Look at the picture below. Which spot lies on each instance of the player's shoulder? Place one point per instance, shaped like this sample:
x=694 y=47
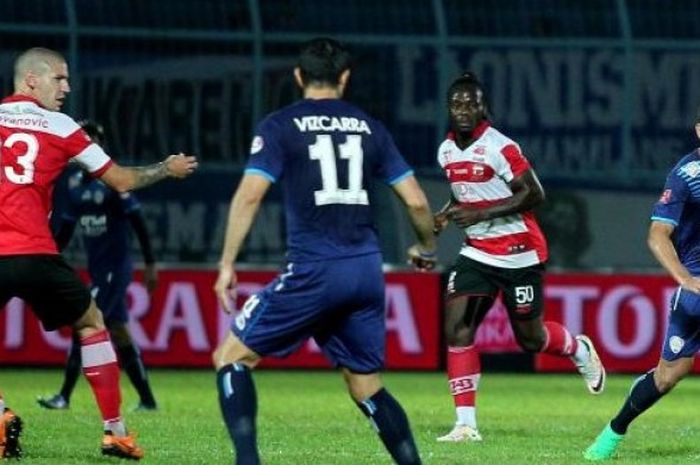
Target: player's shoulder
x=495 y=139
x=27 y=114
x=688 y=167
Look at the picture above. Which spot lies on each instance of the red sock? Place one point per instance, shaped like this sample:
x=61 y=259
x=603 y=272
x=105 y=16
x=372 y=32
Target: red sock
x=102 y=372
x=558 y=340
x=463 y=371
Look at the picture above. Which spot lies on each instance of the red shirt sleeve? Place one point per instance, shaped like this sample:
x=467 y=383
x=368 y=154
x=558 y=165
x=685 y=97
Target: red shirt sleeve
x=515 y=158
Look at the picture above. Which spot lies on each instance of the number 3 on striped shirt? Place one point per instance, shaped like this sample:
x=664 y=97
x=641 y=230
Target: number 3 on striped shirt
x=25 y=160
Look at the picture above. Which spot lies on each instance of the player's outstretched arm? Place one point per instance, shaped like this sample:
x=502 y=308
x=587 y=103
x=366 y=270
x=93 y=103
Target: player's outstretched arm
x=423 y=254
x=244 y=206
x=128 y=178
x=661 y=245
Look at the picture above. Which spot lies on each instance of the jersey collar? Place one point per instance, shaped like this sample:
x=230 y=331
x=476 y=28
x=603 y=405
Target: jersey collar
x=477 y=132
x=21 y=98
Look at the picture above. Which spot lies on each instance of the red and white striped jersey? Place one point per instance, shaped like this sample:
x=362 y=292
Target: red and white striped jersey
x=479 y=177
x=35 y=146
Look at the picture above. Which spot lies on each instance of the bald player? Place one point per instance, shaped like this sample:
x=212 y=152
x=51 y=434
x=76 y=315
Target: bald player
x=36 y=143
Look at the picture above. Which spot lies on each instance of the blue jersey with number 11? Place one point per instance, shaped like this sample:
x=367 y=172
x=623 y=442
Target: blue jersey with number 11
x=326 y=152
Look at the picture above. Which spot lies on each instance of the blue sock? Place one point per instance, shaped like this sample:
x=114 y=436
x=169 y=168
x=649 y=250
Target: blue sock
x=390 y=421
x=643 y=395
x=239 y=407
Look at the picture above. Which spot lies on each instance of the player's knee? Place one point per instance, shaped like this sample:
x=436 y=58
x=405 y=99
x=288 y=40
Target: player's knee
x=362 y=386
x=231 y=351
x=530 y=344
x=459 y=336
x=90 y=322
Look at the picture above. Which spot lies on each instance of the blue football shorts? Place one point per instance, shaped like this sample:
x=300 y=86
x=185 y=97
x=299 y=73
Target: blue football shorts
x=339 y=302
x=683 y=332
x=108 y=288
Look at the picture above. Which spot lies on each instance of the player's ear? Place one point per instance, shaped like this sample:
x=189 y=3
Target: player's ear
x=697 y=130
x=297 y=77
x=343 y=80
x=31 y=79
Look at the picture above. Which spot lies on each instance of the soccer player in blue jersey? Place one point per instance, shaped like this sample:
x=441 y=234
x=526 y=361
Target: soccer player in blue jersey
x=105 y=217
x=674 y=239
x=324 y=151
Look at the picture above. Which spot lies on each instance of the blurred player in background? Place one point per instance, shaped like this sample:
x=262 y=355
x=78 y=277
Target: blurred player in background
x=324 y=151
x=494 y=190
x=105 y=216
x=37 y=142
x=674 y=239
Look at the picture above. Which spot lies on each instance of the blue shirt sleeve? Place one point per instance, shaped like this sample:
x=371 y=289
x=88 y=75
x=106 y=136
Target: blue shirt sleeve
x=669 y=207
x=266 y=153
x=391 y=166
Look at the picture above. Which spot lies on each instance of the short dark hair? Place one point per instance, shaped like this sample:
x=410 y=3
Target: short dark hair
x=322 y=61
x=93 y=129
x=468 y=80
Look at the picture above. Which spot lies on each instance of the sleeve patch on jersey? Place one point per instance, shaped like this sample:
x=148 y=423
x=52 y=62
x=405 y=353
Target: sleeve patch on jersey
x=692 y=169
x=666 y=196
x=257 y=145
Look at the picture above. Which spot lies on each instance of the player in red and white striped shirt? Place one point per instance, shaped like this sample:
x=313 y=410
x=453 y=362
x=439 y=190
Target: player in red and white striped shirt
x=36 y=143
x=494 y=190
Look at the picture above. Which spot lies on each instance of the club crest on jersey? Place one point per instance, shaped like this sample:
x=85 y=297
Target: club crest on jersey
x=666 y=196
x=692 y=169
x=676 y=344
x=257 y=145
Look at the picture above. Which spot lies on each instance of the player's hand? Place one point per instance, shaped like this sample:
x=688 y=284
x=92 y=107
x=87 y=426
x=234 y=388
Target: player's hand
x=692 y=284
x=150 y=277
x=225 y=287
x=421 y=259
x=464 y=216
x=440 y=222
x=180 y=165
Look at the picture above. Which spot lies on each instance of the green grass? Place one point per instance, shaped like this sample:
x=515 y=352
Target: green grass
x=306 y=418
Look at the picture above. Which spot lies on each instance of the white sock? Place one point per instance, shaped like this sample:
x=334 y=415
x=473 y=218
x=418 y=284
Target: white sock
x=466 y=416
x=582 y=355
x=116 y=427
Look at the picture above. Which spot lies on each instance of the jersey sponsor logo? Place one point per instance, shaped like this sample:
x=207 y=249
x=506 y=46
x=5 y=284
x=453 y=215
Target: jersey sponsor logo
x=257 y=145
x=666 y=196
x=94 y=225
x=464 y=384
x=331 y=123
x=692 y=169
x=469 y=171
x=676 y=344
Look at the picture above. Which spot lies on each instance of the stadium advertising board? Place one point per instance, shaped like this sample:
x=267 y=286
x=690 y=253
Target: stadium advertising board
x=181 y=324
x=625 y=316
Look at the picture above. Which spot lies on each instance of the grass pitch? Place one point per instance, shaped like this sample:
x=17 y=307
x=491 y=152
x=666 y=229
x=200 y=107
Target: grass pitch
x=306 y=418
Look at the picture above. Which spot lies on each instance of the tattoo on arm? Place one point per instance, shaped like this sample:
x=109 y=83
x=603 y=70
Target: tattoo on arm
x=150 y=174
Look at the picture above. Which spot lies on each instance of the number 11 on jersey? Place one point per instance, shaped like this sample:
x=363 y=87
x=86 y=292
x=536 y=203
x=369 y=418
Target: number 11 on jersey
x=323 y=151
